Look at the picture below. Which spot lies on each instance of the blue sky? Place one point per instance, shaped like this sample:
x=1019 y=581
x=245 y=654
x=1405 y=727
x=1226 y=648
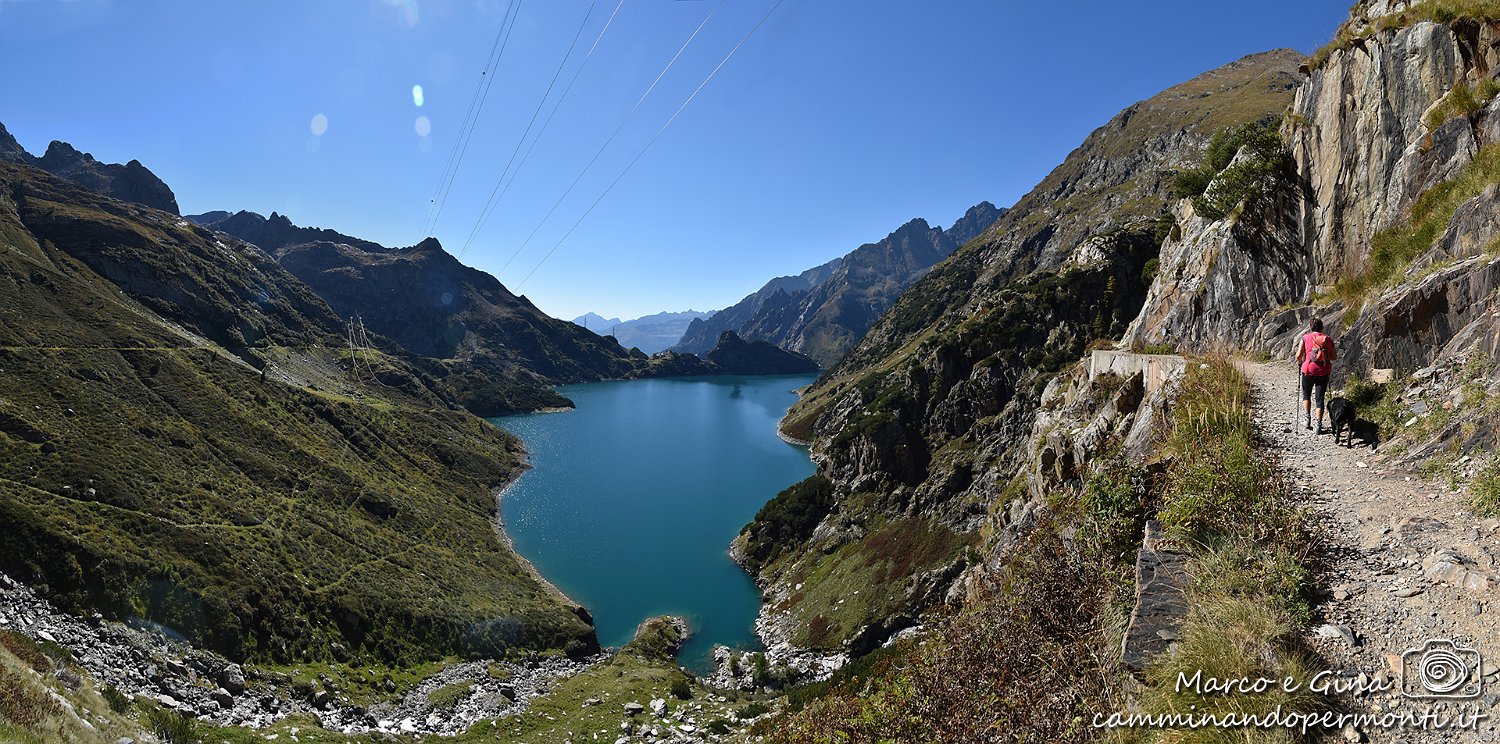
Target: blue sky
x=837 y=121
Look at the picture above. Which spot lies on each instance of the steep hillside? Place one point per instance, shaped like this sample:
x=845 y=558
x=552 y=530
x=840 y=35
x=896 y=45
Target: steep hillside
x=490 y=350
x=701 y=335
x=919 y=428
x=130 y=182
x=826 y=318
x=1367 y=199
x=185 y=438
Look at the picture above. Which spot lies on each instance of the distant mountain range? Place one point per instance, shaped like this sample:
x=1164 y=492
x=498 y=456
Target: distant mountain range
x=825 y=310
x=649 y=333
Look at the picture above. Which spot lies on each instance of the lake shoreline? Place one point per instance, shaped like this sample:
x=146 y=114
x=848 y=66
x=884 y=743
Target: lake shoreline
x=498 y=493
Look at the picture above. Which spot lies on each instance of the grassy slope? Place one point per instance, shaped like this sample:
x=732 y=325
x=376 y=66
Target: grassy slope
x=146 y=471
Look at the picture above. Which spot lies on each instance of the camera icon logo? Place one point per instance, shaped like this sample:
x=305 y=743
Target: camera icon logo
x=1440 y=668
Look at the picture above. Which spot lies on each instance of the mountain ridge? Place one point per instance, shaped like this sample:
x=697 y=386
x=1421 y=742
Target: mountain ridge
x=825 y=310
x=130 y=182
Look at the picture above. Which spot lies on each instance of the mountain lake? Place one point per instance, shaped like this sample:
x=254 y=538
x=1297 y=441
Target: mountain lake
x=633 y=498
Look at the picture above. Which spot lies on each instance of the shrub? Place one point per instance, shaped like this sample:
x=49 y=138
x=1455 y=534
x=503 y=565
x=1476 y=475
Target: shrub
x=26 y=650
x=1219 y=184
x=752 y=710
x=22 y=704
x=173 y=727
x=1484 y=492
x=681 y=689
x=118 y=702
x=1148 y=272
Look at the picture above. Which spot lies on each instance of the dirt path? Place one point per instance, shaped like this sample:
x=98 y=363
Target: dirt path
x=1408 y=562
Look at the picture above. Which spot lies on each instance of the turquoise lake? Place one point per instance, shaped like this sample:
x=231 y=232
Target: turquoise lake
x=633 y=498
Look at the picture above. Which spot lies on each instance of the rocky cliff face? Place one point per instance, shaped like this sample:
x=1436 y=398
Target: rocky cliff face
x=702 y=334
x=1377 y=138
x=130 y=182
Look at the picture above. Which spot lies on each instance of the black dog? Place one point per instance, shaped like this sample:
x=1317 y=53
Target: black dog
x=1341 y=415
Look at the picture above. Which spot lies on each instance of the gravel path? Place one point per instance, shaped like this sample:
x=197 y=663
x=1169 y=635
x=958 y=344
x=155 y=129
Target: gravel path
x=1407 y=563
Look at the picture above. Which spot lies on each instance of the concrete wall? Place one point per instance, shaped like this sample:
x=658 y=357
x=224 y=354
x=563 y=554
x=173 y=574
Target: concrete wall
x=1156 y=368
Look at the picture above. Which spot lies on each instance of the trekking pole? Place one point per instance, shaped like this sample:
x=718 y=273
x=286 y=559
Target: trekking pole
x=1297 y=407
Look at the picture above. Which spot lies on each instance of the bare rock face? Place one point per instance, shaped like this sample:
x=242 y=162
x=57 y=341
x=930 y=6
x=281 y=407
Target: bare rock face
x=1364 y=147
x=130 y=182
x=1358 y=133
x=1213 y=275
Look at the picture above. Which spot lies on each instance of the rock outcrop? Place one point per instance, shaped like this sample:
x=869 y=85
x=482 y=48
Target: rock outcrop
x=737 y=356
x=1365 y=146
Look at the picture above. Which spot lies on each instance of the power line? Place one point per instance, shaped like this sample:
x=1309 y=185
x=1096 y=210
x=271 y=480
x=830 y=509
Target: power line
x=652 y=141
x=612 y=136
x=461 y=145
x=490 y=203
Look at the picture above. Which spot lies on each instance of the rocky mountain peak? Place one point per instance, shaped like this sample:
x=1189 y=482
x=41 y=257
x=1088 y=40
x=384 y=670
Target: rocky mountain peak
x=130 y=182
x=10 y=148
x=431 y=245
x=974 y=222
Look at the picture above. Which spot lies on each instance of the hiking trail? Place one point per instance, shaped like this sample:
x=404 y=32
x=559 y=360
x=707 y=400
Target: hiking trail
x=1406 y=561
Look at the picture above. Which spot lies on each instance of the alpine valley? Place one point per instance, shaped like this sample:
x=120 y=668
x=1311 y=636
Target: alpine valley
x=249 y=470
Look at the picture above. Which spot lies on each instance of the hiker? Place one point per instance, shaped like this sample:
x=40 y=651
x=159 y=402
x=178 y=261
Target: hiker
x=1315 y=357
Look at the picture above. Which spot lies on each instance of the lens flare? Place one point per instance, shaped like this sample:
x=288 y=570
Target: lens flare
x=424 y=126
x=417 y=96
x=407 y=10
x=319 y=125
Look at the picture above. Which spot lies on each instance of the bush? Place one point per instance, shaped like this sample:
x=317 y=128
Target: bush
x=1484 y=492
x=118 y=702
x=681 y=689
x=173 y=727
x=1219 y=184
x=22 y=704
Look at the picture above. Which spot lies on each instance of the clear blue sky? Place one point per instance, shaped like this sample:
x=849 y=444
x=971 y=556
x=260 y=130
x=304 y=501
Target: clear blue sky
x=835 y=123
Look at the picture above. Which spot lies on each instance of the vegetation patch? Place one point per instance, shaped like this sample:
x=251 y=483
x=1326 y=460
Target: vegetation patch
x=1394 y=248
x=658 y=638
x=449 y=696
x=1037 y=654
x=788 y=519
x=1463 y=100
x=1437 y=11
x=1221 y=183
x=1484 y=491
